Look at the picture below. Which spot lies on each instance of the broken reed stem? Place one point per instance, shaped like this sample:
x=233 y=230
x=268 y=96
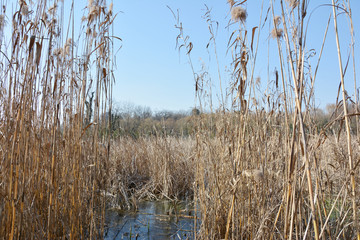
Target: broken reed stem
x=347 y=126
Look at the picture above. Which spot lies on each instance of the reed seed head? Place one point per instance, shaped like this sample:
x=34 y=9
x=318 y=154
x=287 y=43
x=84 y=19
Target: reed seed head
x=277 y=20
x=25 y=10
x=111 y=8
x=69 y=41
x=277 y=33
x=57 y=51
x=67 y=47
x=93 y=10
x=238 y=14
x=293 y=3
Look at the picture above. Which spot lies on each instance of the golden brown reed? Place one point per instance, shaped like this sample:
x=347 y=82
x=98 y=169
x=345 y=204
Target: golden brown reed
x=275 y=173
x=252 y=173
x=50 y=159
x=151 y=168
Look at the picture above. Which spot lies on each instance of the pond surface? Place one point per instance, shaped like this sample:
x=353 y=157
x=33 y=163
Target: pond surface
x=152 y=220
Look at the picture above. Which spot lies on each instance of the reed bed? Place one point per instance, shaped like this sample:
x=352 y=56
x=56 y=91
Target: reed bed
x=150 y=168
x=50 y=147
x=256 y=166
x=264 y=170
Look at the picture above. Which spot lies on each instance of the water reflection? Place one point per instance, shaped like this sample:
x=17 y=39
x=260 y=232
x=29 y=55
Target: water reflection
x=153 y=220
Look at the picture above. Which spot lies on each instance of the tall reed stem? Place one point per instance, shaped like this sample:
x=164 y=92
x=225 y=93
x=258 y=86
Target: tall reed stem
x=347 y=126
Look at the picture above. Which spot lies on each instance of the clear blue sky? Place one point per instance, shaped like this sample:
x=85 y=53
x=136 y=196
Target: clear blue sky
x=151 y=72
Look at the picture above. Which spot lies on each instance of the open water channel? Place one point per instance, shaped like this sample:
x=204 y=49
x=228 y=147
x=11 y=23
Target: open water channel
x=152 y=220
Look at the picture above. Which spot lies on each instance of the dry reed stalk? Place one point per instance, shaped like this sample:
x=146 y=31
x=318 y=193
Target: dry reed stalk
x=238 y=13
x=276 y=21
x=298 y=105
x=354 y=67
x=46 y=154
x=347 y=126
x=295 y=195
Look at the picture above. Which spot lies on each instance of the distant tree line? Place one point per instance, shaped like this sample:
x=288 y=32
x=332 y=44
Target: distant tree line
x=135 y=121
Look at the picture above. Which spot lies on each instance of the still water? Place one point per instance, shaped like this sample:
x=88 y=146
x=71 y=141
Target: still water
x=152 y=220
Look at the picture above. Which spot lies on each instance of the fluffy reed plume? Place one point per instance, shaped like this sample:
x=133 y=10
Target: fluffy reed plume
x=277 y=33
x=277 y=20
x=293 y=3
x=93 y=13
x=238 y=14
x=67 y=47
x=24 y=9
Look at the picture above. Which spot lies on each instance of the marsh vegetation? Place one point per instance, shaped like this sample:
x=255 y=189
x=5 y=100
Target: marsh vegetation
x=254 y=165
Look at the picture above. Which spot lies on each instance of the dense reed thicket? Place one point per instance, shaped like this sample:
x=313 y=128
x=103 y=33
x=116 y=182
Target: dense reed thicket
x=264 y=170
x=257 y=166
x=50 y=172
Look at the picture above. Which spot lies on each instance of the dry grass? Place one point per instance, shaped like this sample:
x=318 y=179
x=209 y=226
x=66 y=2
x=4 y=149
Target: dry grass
x=49 y=158
x=252 y=173
x=272 y=174
x=151 y=168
